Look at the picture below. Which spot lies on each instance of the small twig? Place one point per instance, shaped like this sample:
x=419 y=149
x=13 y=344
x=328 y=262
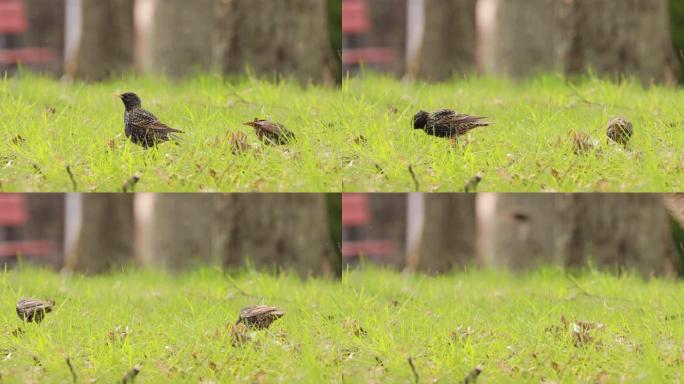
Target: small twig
x=130 y=376
x=73 y=180
x=74 y=378
x=130 y=183
x=415 y=179
x=471 y=185
x=471 y=378
x=413 y=368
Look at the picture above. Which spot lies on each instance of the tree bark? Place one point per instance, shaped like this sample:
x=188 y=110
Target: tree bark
x=610 y=231
x=524 y=231
x=179 y=231
x=46 y=29
x=182 y=37
x=615 y=231
x=629 y=37
x=282 y=230
x=524 y=37
x=388 y=222
x=106 y=41
x=388 y=20
x=287 y=37
x=46 y=222
x=449 y=39
x=105 y=240
x=448 y=239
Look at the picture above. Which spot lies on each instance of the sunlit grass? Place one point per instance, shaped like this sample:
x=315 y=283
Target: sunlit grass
x=47 y=125
x=529 y=146
x=177 y=328
x=511 y=327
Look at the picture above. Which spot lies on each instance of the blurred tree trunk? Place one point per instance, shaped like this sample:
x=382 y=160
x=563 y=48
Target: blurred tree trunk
x=449 y=40
x=105 y=240
x=524 y=37
x=106 y=41
x=618 y=37
x=182 y=36
x=46 y=222
x=286 y=37
x=388 y=222
x=448 y=239
x=283 y=230
x=616 y=231
x=388 y=19
x=179 y=231
x=524 y=231
x=46 y=29
x=611 y=231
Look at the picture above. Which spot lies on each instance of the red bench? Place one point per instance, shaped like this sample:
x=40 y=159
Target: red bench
x=355 y=214
x=13 y=21
x=356 y=21
x=13 y=214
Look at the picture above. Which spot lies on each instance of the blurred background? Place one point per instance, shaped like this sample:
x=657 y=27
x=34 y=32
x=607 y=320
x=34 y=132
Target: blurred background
x=96 y=39
x=94 y=233
x=439 y=39
x=437 y=233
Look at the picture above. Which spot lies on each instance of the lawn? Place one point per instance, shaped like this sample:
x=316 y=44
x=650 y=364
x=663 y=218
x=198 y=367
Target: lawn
x=174 y=328
x=546 y=326
x=48 y=125
x=529 y=147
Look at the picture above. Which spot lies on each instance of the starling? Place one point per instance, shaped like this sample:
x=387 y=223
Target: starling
x=33 y=310
x=271 y=133
x=142 y=127
x=446 y=123
x=619 y=130
x=259 y=316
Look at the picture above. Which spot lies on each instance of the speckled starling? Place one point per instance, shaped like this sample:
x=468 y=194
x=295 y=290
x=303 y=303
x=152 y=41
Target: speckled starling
x=33 y=310
x=270 y=132
x=259 y=316
x=446 y=123
x=619 y=130
x=141 y=126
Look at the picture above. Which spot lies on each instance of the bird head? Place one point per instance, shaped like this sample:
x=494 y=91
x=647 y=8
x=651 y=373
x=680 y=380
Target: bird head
x=253 y=124
x=130 y=100
x=420 y=120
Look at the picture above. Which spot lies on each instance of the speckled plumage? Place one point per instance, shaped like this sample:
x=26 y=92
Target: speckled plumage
x=259 y=316
x=141 y=126
x=619 y=130
x=446 y=123
x=270 y=132
x=33 y=310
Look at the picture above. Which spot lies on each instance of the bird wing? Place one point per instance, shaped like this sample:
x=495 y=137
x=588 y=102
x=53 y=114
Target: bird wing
x=461 y=118
x=146 y=120
x=270 y=127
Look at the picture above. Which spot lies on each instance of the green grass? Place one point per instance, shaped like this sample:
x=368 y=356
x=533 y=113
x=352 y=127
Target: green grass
x=177 y=328
x=361 y=330
x=529 y=147
x=511 y=326
x=81 y=125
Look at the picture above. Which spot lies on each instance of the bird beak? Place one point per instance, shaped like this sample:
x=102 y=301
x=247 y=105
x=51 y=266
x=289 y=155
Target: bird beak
x=249 y=123
x=117 y=94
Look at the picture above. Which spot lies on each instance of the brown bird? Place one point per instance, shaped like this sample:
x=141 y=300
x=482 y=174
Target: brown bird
x=141 y=126
x=259 y=316
x=33 y=310
x=270 y=132
x=447 y=123
x=619 y=130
